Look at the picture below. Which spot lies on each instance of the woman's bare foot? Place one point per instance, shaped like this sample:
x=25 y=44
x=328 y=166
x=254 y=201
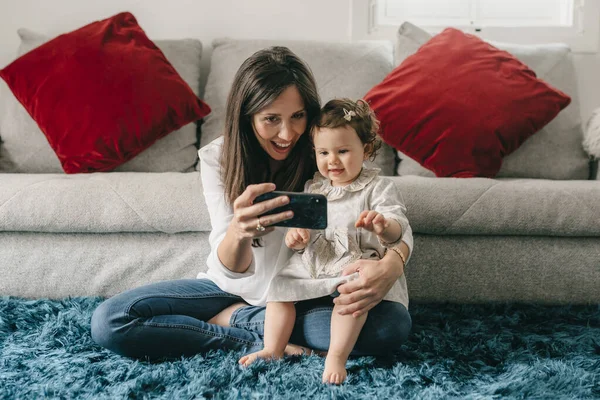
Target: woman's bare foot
x=296 y=350
x=335 y=369
x=264 y=354
x=290 y=350
x=223 y=318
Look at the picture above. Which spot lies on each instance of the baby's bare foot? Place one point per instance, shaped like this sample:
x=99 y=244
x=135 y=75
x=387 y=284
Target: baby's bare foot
x=335 y=369
x=264 y=354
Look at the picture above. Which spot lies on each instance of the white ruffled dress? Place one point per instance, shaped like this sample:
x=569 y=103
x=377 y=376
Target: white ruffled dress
x=317 y=271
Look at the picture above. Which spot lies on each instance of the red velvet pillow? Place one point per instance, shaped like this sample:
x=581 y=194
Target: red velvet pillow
x=459 y=105
x=102 y=94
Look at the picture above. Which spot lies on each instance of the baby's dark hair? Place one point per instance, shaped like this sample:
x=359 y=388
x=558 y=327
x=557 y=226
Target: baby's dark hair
x=356 y=114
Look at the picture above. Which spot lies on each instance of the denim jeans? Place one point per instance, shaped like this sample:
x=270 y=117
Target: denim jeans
x=168 y=319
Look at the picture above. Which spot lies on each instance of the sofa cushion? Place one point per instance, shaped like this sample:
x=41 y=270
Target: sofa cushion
x=167 y=202
x=481 y=206
x=556 y=151
x=26 y=149
x=340 y=69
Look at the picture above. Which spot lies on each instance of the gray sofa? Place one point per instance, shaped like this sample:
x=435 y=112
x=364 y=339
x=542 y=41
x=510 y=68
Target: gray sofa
x=532 y=234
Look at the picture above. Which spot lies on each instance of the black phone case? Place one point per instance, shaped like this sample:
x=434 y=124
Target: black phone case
x=310 y=210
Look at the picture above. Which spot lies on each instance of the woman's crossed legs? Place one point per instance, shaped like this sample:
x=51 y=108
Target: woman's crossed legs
x=170 y=319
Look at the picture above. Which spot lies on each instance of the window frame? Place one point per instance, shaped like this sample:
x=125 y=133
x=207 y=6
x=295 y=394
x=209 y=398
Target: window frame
x=584 y=37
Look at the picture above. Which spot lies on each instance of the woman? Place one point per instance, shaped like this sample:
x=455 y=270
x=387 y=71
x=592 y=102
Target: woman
x=265 y=146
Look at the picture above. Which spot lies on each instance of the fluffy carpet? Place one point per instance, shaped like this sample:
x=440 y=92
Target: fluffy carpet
x=455 y=351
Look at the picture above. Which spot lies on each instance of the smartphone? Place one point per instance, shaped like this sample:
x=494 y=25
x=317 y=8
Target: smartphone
x=310 y=210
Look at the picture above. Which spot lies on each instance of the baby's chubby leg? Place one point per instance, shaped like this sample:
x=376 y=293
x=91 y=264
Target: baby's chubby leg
x=279 y=322
x=344 y=333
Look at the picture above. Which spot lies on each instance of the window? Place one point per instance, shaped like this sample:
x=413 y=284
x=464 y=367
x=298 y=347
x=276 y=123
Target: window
x=575 y=22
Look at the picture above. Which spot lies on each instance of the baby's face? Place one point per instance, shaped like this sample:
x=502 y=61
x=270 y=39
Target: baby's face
x=339 y=153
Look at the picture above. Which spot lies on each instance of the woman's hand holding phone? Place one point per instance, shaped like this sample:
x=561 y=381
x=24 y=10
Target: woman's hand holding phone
x=246 y=222
x=297 y=238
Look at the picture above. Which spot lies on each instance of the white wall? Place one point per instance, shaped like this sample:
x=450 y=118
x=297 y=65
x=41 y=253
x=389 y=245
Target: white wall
x=206 y=19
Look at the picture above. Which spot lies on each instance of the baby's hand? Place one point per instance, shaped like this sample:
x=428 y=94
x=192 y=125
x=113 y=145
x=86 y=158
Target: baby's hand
x=372 y=221
x=297 y=238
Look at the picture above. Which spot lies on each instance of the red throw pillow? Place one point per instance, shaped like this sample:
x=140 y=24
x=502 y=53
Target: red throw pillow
x=459 y=105
x=102 y=94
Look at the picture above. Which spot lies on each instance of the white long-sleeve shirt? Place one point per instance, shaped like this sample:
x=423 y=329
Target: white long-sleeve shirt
x=267 y=261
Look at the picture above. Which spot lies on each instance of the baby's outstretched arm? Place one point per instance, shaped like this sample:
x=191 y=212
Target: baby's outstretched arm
x=297 y=238
x=388 y=230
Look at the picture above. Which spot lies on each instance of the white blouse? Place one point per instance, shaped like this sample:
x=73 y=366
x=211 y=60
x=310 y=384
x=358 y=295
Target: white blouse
x=268 y=260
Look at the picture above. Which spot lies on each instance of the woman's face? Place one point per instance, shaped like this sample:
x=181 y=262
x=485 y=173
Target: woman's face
x=279 y=125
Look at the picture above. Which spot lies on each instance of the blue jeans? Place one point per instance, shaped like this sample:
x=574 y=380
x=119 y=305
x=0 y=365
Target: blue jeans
x=168 y=319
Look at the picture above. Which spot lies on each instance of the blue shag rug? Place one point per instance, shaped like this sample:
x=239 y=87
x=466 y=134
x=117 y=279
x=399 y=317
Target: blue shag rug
x=454 y=351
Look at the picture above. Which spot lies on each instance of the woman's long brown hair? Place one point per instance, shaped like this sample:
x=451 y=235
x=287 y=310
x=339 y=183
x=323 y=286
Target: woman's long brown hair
x=258 y=82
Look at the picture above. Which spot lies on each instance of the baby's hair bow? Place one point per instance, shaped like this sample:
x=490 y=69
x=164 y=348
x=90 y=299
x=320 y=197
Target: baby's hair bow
x=349 y=114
